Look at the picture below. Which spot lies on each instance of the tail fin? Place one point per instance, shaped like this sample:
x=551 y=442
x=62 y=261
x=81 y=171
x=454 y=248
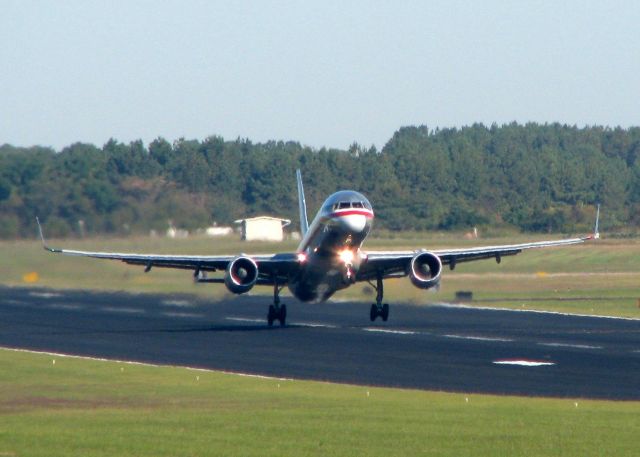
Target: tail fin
x=304 y=223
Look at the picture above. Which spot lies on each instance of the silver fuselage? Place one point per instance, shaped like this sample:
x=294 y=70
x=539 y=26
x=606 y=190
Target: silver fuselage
x=329 y=252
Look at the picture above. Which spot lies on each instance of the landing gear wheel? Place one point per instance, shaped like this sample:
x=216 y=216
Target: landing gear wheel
x=277 y=312
x=378 y=309
x=271 y=316
x=385 y=312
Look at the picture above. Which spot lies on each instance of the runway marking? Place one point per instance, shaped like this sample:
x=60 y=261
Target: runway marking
x=184 y=315
x=245 y=319
x=122 y=310
x=523 y=363
x=65 y=306
x=479 y=338
x=534 y=311
x=384 y=330
x=313 y=325
x=44 y=294
x=15 y=302
x=144 y=364
x=568 y=345
x=179 y=303
x=296 y=324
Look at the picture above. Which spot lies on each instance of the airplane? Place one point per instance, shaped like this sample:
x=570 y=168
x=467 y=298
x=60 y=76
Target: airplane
x=329 y=258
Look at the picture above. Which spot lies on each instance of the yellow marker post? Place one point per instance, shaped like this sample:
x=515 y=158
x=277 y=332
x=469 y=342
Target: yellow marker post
x=31 y=278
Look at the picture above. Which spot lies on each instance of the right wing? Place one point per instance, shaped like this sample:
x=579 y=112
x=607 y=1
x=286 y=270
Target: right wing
x=271 y=267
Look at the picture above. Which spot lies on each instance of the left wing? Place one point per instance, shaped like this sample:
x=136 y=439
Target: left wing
x=388 y=264
x=271 y=267
x=396 y=263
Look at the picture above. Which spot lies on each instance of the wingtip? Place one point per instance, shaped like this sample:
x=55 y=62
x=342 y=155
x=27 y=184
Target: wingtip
x=596 y=228
x=44 y=243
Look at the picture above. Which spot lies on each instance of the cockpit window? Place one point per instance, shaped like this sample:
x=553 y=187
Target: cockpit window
x=346 y=205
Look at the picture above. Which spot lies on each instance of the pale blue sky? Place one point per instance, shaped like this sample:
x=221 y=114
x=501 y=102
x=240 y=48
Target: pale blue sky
x=323 y=73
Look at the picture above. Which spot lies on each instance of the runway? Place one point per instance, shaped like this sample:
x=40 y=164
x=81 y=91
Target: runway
x=434 y=347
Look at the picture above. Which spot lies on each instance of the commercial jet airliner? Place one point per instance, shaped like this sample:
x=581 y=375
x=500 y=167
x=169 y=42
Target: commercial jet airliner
x=329 y=258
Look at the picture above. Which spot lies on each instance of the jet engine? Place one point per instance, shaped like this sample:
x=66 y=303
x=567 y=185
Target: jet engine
x=241 y=275
x=425 y=269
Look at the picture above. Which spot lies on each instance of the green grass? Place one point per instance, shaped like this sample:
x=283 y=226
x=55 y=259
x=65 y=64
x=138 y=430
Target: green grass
x=595 y=278
x=92 y=408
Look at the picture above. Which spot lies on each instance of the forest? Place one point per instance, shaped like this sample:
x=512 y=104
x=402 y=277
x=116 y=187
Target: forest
x=532 y=177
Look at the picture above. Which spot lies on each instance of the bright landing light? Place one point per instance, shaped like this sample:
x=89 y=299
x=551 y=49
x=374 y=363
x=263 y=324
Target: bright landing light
x=346 y=256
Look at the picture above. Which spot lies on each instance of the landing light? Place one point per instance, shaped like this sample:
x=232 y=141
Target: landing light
x=302 y=257
x=346 y=256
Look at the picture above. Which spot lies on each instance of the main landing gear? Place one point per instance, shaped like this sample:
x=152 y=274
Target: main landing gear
x=378 y=308
x=277 y=312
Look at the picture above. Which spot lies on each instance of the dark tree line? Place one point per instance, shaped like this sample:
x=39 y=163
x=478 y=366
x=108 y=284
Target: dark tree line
x=531 y=177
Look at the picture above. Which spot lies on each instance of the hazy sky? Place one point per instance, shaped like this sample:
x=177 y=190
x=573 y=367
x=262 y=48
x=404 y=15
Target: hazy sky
x=324 y=73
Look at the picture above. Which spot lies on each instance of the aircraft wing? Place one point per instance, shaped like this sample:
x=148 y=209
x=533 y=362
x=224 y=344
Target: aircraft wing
x=396 y=263
x=270 y=266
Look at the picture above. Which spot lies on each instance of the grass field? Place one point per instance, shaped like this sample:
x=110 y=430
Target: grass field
x=595 y=278
x=95 y=408
x=77 y=407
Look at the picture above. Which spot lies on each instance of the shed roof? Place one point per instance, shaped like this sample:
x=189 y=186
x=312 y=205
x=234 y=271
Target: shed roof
x=284 y=222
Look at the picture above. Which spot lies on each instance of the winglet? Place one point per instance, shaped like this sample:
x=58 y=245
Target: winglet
x=304 y=222
x=596 y=229
x=44 y=243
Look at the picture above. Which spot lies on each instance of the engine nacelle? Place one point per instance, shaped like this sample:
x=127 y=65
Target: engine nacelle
x=425 y=269
x=241 y=275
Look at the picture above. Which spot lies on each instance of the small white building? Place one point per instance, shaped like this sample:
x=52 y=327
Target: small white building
x=216 y=230
x=263 y=228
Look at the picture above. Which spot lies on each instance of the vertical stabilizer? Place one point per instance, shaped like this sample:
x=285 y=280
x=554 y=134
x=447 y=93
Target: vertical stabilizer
x=304 y=223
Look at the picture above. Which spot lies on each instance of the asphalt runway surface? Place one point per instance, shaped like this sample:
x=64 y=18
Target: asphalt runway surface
x=434 y=347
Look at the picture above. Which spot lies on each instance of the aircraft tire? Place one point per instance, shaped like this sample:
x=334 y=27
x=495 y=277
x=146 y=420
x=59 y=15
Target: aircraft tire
x=373 y=313
x=283 y=315
x=385 y=312
x=271 y=315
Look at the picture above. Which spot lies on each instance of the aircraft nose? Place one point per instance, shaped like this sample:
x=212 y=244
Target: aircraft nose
x=353 y=222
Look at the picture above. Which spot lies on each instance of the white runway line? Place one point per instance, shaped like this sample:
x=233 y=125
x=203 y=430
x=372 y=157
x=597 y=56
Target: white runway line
x=568 y=345
x=44 y=294
x=523 y=363
x=143 y=364
x=178 y=303
x=15 y=302
x=479 y=338
x=65 y=306
x=245 y=319
x=184 y=315
x=534 y=311
x=122 y=310
x=384 y=330
x=313 y=325
x=297 y=324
